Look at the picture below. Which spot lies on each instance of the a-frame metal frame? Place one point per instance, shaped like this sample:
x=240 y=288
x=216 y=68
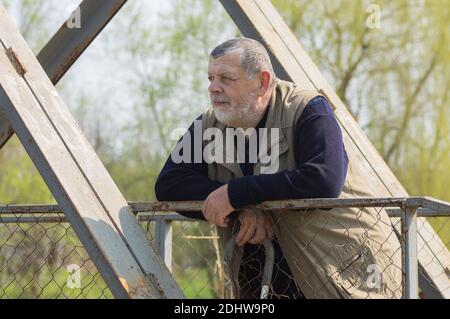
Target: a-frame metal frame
x=256 y=19
x=78 y=180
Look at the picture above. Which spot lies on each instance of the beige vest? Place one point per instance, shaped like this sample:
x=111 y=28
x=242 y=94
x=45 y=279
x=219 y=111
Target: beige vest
x=338 y=253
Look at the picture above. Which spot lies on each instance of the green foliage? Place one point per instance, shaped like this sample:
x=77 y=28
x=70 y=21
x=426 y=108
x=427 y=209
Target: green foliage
x=20 y=182
x=195 y=283
x=169 y=77
x=32 y=20
x=402 y=69
x=394 y=79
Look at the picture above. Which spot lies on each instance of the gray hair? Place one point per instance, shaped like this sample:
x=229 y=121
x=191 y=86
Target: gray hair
x=253 y=56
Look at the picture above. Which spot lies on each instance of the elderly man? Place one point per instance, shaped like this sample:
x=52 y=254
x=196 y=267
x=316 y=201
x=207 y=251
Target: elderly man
x=317 y=253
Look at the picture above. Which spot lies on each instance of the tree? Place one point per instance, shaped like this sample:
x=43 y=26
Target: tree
x=394 y=79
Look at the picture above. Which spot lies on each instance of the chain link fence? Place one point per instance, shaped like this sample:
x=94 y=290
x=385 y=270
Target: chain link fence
x=40 y=259
x=41 y=256
x=329 y=254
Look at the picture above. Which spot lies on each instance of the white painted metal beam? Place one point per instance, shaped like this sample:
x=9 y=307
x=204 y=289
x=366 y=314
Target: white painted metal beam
x=78 y=180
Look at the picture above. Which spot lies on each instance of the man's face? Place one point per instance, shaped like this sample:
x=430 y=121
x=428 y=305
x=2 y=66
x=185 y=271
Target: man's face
x=233 y=95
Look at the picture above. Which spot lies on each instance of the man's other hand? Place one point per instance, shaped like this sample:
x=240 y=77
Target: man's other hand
x=255 y=227
x=217 y=207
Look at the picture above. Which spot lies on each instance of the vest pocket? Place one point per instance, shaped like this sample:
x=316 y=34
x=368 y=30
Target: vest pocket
x=353 y=274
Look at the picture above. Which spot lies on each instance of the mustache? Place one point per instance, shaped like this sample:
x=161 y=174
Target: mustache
x=220 y=98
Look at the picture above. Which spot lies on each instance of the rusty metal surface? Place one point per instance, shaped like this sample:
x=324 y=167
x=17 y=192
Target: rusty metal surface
x=432 y=207
x=29 y=209
x=66 y=46
x=52 y=217
x=15 y=61
x=292 y=204
x=275 y=205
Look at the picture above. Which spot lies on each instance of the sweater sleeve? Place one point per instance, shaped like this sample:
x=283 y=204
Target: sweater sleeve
x=186 y=180
x=321 y=163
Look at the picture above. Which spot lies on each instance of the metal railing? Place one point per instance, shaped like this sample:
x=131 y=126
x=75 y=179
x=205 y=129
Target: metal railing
x=404 y=213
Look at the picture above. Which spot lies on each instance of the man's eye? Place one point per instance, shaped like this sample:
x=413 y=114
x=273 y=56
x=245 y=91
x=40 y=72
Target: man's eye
x=210 y=78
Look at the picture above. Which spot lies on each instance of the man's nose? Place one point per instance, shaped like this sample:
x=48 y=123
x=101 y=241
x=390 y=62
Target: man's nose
x=215 y=87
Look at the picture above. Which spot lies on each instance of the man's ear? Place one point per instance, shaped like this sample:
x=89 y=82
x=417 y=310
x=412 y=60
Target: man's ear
x=264 y=82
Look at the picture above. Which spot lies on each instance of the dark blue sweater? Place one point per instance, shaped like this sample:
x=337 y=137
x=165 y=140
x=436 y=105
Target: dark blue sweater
x=321 y=170
x=319 y=154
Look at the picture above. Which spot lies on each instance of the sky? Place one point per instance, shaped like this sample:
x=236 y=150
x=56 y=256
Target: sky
x=99 y=75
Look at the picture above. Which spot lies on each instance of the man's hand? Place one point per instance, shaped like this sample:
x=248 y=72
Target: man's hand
x=255 y=227
x=217 y=207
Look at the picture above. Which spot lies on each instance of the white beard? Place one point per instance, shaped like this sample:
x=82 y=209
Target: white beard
x=244 y=115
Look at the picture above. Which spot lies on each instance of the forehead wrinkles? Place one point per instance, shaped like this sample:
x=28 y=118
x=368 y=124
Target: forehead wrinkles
x=229 y=63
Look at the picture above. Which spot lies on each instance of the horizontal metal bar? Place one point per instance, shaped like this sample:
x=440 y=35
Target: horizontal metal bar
x=30 y=209
x=142 y=217
x=433 y=204
x=421 y=212
x=31 y=219
x=434 y=207
x=40 y=214
x=296 y=204
x=60 y=218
